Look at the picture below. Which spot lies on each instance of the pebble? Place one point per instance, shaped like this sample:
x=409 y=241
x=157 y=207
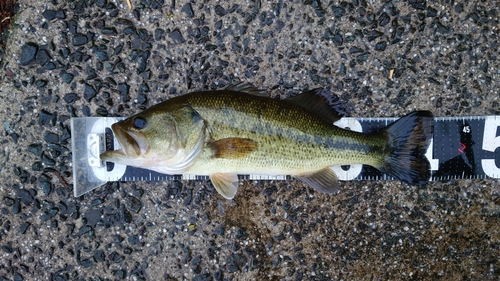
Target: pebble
x=47 y=118
x=380 y=46
x=49 y=14
x=28 y=53
x=188 y=10
x=109 y=31
x=51 y=138
x=89 y=92
x=80 y=39
x=43 y=56
x=36 y=148
x=176 y=35
x=67 y=77
x=220 y=11
x=46 y=186
x=23 y=228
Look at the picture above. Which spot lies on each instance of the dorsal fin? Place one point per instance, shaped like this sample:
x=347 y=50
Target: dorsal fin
x=321 y=102
x=247 y=88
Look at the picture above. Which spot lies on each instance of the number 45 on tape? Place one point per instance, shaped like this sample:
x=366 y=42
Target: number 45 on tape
x=461 y=148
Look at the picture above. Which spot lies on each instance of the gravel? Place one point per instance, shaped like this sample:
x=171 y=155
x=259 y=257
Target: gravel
x=99 y=58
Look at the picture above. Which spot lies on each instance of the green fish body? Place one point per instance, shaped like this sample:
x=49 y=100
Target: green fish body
x=239 y=131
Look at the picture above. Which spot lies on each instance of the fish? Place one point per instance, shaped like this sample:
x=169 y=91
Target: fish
x=241 y=130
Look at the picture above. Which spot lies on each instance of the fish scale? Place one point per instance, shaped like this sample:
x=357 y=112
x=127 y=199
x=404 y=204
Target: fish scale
x=304 y=144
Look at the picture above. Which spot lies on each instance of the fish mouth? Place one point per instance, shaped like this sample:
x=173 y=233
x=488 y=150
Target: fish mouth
x=132 y=144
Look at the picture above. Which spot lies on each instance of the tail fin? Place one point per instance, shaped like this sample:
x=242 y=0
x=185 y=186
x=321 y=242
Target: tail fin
x=408 y=139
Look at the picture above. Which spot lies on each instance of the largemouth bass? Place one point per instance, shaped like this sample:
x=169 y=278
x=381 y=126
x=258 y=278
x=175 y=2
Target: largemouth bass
x=239 y=131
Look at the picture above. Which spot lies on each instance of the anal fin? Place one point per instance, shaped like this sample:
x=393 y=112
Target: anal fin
x=324 y=180
x=225 y=184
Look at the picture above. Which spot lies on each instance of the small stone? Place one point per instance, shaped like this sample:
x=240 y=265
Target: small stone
x=123 y=21
x=418 y=4
x=67 y=77
x=354 y=50
x=109 y=31
x=220 y=11
x=37 y=166
x=296 y=237
x=129 y=30
x=99 y=256
x=60 y=14
x=40 y=83
x=26 y=196
x=441 y=28
x=133 y=204
x=91 y=73
x=115 y=257
x=159 y=34
x=16 y=207
x=24 y=227
x=176 y=35
x=383 y=19
x=46 y=118
x=338 y=11
x=86 y=111
x=65 y=134
x=188 y=10
x=89 y=92
x=36 y=148
x=80 y=39
x=47 y=160
x=46 y=187
x=202 y=277
x=18 y=277
x=14 y=136
x=43 y=56
x=8 y=201
x=99 y=24
x=86 y=263
x=337 y=39
x=121 y=274
x=73 y=26
x=144 y=87
x=124 y=91
x=64 y=52
x=101 y=111
x=51 y=138
x=50 y=66
x=101 y=3
x=380 y=46
x=28 y=53
x=102 y=55
x=49 y=14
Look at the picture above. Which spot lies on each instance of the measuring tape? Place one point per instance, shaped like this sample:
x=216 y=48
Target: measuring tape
x=461 y=148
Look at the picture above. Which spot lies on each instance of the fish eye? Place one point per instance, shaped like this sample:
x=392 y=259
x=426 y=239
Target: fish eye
x=140 y=122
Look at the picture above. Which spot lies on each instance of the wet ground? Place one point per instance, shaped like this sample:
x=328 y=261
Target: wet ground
x=101 y=58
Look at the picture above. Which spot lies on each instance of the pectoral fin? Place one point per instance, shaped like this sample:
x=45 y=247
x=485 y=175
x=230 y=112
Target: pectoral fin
x=232 y=147
x=225 y=184
x=324 y=181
